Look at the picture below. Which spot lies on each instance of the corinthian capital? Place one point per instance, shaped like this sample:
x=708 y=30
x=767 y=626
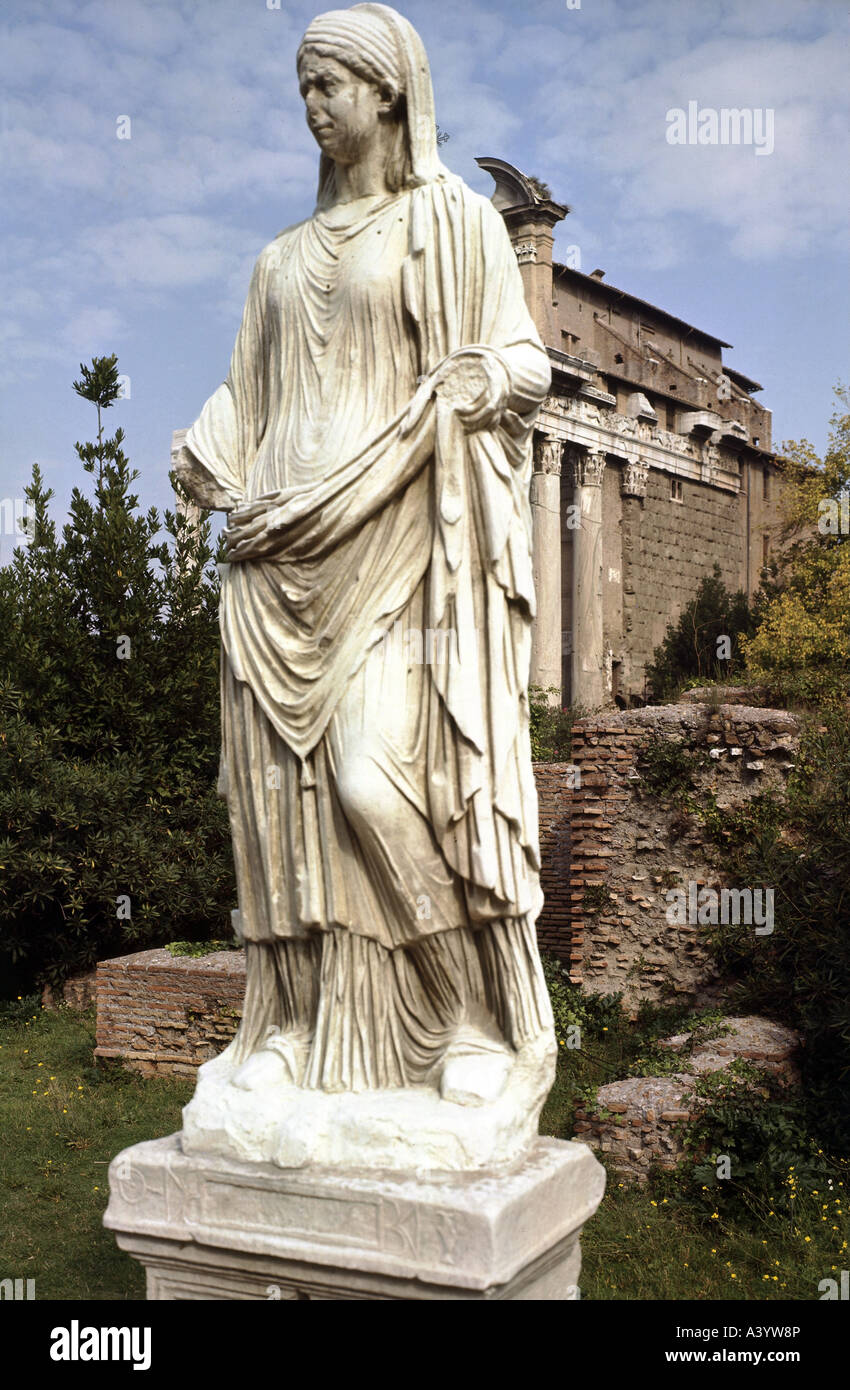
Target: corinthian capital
x=634 y=478
x=587 y=468
x=547 y=455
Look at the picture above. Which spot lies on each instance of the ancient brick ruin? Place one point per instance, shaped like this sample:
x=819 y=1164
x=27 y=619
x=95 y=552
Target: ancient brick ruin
x=630 y=847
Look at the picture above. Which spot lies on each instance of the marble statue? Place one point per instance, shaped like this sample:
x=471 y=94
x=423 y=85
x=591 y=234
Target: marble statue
x=372 y=448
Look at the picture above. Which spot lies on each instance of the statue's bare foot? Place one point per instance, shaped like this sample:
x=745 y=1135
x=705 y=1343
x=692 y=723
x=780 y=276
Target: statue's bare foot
x=475 y=1069
x=281 y=1060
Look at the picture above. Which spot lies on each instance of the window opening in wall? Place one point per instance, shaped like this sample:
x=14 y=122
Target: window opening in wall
x=765 y=485
x=676 y=490
x=765 y=549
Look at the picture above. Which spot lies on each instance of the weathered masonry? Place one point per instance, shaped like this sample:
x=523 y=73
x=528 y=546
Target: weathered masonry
x=653 y=461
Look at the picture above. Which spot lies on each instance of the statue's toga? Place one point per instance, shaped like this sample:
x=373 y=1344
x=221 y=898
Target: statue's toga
x=372 y=445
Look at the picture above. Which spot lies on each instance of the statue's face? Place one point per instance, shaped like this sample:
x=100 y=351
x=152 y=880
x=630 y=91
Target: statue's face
x=343 y=110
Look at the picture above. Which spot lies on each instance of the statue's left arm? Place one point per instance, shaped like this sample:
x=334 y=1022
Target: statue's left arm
x=221 y=446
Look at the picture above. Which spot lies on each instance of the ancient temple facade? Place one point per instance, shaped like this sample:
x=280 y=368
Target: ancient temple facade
x=652 y=463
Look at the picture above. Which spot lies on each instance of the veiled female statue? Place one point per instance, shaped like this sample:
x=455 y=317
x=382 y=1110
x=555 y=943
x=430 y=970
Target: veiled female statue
x=372 y=446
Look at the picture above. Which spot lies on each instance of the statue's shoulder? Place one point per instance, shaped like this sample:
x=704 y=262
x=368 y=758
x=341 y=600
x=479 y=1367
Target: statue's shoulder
x=288 y=233
x=474 y=207
x=453 y=188
x=271 y=255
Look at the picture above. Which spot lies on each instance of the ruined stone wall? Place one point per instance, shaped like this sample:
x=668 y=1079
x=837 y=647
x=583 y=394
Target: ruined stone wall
x=635 y=1122
x=630 y=846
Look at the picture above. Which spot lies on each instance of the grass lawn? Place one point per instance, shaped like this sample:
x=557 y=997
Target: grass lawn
x=63 y=1119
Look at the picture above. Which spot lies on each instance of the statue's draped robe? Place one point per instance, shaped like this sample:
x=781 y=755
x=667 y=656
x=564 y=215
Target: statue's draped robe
x=380 y=787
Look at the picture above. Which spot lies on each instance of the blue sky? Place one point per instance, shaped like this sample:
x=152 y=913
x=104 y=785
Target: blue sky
x=144 y=246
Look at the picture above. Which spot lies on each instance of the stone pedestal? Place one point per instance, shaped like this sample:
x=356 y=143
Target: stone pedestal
x=207 y=1227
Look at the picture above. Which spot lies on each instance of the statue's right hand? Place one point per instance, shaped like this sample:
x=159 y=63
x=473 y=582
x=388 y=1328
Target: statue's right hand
x=472 y=380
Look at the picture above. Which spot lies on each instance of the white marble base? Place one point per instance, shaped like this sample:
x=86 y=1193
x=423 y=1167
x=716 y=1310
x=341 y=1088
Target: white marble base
x=206 y=1227
x=403 y=1130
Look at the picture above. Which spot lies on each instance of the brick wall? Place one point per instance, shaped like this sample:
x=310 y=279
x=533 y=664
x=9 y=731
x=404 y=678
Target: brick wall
x=632 y=846
x=554 y=800
x=164 y=1013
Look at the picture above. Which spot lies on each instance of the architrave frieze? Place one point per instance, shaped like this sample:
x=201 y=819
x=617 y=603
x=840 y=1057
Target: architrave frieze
x=598 y=430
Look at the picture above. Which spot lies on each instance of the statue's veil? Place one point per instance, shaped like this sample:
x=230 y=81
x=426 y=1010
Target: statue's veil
x=376 y=42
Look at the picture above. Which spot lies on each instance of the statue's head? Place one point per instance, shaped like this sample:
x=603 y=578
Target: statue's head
x=364 y=76
x=345 y=108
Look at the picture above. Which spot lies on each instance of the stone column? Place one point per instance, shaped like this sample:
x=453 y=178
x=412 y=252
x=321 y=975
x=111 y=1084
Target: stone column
x=588 y=655
x=546 y=540
x=633 y=482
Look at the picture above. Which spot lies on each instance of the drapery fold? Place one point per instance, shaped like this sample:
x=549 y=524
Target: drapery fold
x=319 y=571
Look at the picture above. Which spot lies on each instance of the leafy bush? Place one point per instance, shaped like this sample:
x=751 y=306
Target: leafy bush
x=801 y=646
x=84 y=842
x=689 y=650
x=667 y=768
x=551 y=726
x=110 y=727
x=763 y=1128
x=573 y=1006
x=196 y=949
x=801 y=972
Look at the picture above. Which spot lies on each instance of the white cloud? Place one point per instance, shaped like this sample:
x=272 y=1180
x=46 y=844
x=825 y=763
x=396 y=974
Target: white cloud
x=764 y=206
x=220 y=158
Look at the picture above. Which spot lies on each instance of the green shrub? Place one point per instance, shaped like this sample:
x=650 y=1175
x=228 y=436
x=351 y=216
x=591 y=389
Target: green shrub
x=667 y=768
x=763 y=1128
x=801 y=972
x=85 y=842
x=689 y=651
x=109 y=727
x=550 y=726
x=197 y=949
